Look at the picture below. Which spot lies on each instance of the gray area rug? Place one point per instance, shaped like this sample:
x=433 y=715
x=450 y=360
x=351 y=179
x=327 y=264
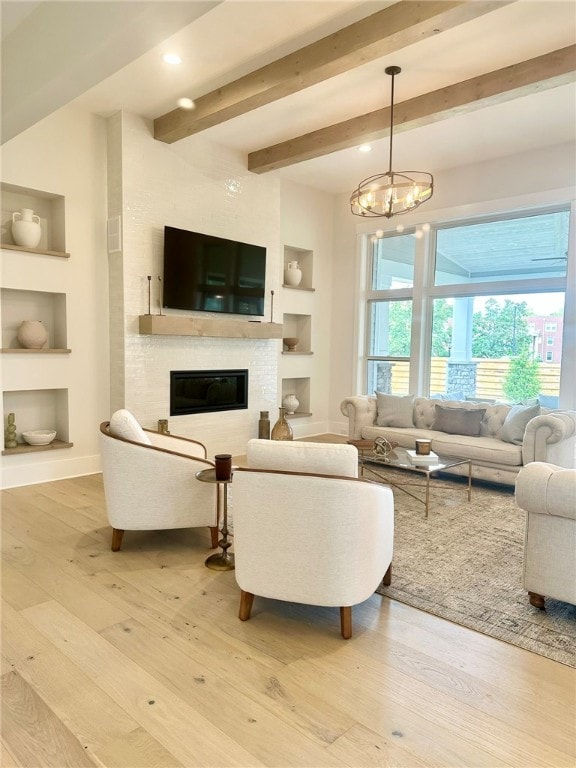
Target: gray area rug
x=464 y=563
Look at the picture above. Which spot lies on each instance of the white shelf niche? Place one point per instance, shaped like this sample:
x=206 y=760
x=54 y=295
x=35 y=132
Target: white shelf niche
x=19 y=305
x=305 y=261
x=301 y=388
x=49 y=207
x=37 y=409
x=299 y=327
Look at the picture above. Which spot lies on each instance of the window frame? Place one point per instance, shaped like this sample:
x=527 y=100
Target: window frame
x=424 y=291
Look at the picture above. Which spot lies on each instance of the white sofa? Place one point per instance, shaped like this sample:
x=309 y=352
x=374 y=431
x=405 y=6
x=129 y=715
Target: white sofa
x=547 y=494
x=549 y=437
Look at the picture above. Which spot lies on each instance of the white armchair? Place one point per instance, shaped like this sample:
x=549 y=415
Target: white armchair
x=314 y=539
x=150 y=480
x=547 y=493
x=301 y=456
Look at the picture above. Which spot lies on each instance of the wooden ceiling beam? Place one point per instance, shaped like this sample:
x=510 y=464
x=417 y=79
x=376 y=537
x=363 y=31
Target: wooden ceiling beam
x=378 y=35
x=544 y=72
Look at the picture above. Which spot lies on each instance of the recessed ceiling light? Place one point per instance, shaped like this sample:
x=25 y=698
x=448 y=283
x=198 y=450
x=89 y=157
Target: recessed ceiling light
x=365 y=148
x=185 y=103
x=172 y=58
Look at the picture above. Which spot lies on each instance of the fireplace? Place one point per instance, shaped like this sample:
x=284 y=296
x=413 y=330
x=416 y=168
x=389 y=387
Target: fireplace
x=207 y=391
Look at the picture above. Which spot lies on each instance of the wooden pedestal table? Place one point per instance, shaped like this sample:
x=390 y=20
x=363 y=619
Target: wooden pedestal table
x=224 y=560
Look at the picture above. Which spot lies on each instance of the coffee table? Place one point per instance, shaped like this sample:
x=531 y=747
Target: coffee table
x=398 y=459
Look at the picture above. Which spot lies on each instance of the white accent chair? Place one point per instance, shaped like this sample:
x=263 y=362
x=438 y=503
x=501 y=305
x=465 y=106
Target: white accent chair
x=318 y=539
x=301 y=456
x=150 y=482
x=547 y=493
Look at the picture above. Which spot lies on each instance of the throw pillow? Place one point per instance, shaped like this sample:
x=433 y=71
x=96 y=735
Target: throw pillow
x=123 y=424
x=458 y=421
x=516 y=422
x=394 y=410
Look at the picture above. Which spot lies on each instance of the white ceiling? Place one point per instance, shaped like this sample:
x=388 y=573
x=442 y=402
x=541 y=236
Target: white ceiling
x=228 y=39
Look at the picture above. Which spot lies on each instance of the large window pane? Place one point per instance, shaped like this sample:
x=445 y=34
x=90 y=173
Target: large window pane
x=510 y=249
x=390 y=328
x=393 y=262
x=505 y=348
x=389 y=337
x=387 y=376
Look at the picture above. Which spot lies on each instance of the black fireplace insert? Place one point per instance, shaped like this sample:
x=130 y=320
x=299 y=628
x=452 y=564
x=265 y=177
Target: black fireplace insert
x=207 y=391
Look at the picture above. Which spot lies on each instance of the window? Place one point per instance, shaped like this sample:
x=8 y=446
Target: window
x=389 y=313
x=494 y=289
x=506 y=249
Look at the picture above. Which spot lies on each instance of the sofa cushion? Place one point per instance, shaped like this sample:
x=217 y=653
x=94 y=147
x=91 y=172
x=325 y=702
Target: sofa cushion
x=516 y=422
x=490 y=450
x=123 y=424
x=458 y=421
x=394 y=410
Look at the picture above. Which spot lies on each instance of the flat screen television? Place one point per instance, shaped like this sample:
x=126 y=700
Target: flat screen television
x=212 y=274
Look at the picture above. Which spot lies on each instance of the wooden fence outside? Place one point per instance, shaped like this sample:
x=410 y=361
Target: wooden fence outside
x=490 y=376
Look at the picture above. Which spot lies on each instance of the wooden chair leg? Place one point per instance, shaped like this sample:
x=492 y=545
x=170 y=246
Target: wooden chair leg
x=117 y=536
x=538 y=601
x=214 y=537
x=246 y=600
x=346 y=621
x=387 y=580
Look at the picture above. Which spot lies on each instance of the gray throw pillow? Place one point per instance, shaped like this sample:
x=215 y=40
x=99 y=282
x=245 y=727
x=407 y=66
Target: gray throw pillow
x=516 y=422
x=458 y=421
x=394 y=410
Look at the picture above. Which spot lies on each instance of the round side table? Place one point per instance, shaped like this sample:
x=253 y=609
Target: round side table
x=224 y=560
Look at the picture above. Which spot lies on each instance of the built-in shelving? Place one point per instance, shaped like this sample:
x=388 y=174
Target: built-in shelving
x=40 y=408
x=47 y=206
x=298 y=304
x=299 y=386
x=11 y=247
x=37 y=409
x=298 y=288
x=305 y=261
x=35 y=351
x=181 y=325
x=25 y=448
x=298 y=327
x=48 y=307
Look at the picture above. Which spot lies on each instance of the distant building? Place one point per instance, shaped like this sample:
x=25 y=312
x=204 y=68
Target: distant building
x=546 y=335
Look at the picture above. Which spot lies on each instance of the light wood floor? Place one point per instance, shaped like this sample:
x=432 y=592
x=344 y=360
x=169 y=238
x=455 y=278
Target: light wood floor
x=137 y=659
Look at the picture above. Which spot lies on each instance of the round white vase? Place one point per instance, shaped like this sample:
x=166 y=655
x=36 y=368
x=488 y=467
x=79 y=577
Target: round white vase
x=32 y=334
x=292 y=274
x=26 y=229
x=290 y=403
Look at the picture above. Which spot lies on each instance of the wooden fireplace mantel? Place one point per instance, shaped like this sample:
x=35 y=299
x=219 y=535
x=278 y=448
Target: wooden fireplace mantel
x=181 y=325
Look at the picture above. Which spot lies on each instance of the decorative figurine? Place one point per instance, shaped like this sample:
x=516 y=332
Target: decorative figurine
x=10 y=433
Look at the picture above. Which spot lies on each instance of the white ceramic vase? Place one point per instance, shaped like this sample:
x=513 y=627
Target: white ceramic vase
x=292 y=274
x=32 y=334
x=290 y=403
x=26 y=229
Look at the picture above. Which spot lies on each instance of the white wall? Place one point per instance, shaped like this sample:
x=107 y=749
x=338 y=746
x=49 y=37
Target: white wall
x=65 y=154
x=514 y=182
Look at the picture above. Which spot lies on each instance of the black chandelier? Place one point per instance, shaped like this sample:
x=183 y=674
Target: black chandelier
x=394 y=192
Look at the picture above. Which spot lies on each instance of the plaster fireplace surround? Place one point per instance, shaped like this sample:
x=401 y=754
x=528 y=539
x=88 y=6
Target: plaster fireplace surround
x=165 y=190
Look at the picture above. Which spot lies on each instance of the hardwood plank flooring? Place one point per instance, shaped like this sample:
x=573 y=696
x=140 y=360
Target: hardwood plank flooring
x=136 y=659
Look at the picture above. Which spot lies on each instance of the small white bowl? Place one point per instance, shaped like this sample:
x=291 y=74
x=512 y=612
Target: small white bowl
x=39 y=436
